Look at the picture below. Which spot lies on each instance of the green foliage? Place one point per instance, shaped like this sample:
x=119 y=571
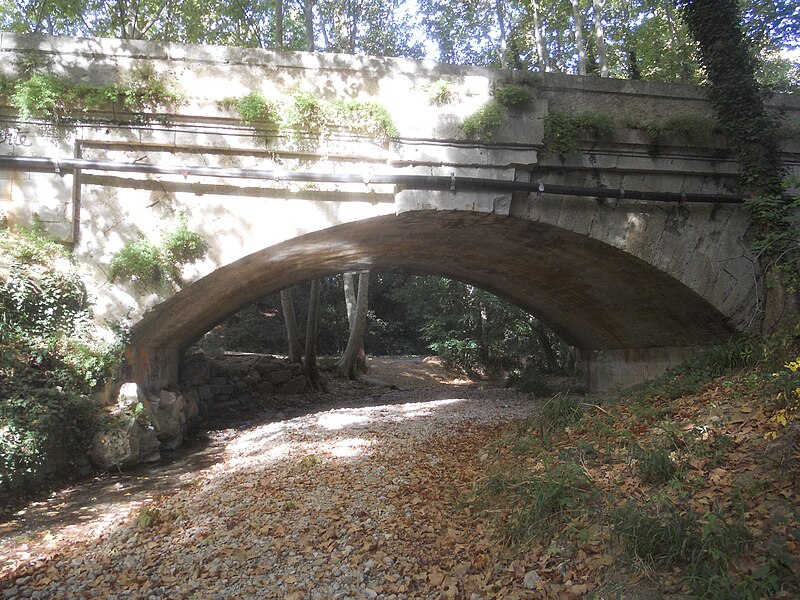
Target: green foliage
x=562 y=132
x=655 y=465
x=595 y=123
x=306 y=112
x=180 y=246
x=54 y=98
x=692 y=129
x=140 y=261
x=35 y=422
x=441 y=93
x=50 y=356
x=558 y=413
x=512 y=96
x=143 y=262
x=541 y=501
x=778 y=242
x=665 y=536
x=364 y=117
x=6 y=87
x=255 y=107
x=483 y=124
x=529 y=380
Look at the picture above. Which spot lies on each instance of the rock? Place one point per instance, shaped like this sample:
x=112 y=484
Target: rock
x=117 y=446
x=279 y=377
x=293 y=386
x=170 y=419
x=531 y=579
x=205 y=393
x=149 y=446
x=265 y=387
x=129 y=397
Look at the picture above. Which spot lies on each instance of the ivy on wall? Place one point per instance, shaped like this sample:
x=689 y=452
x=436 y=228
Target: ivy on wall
x=752 y=134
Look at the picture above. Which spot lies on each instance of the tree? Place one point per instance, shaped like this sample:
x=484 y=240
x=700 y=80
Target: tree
x=287 y=306
x=351 y=302
x=278 y=44
x=348 y=364
x=311 y=370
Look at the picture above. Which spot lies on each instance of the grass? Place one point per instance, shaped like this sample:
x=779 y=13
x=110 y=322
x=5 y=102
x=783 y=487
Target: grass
x=689 y=480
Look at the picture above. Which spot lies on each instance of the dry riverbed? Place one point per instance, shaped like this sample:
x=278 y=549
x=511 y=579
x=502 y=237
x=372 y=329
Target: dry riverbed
x=363 y=499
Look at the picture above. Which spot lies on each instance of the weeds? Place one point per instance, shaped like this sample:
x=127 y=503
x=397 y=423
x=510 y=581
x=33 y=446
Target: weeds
x=546 y=500
x=484 y=123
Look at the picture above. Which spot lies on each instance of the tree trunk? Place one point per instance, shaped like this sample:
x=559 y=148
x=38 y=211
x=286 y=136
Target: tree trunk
x=308 y=18
x=579 y=43
x=278 y=24
x=599 y=36
x=348 y=365
x=501 y=22
x=547 y=348
x=350 y=302
x=311 y=370
x=539 y=37
x=287 y=305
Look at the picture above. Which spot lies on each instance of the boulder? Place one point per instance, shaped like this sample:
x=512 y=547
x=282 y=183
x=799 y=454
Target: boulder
x=294 y=386
x=149 y=446
x=117 y=446
x=170 y=419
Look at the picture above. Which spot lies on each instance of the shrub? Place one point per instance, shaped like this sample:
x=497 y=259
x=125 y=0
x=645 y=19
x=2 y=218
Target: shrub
x=306 y=112
x=655 y=465
x=512 y=96
x=597 y=123
x=530 y=381
x=558 y=413
x=254 y=107
x=441 y=93
x=483 y=123
x=144 y=262
x=139 y=260
x=366 y=117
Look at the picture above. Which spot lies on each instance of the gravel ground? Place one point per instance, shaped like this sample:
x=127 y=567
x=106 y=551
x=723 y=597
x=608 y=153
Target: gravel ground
x=359 y=502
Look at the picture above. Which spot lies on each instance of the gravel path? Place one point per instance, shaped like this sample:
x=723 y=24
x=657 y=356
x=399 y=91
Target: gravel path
x=358 y=502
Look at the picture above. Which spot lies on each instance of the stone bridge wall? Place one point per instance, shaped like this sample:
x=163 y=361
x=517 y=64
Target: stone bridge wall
x=705 y=247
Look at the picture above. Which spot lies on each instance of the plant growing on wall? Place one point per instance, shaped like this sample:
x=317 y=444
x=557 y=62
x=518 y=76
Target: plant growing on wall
x=440 y=93
x=54 y=98
x=562 y=132
x=512 y=96
x=753 y=136
x=483 y=124
x=254 y=107
x=144 y=262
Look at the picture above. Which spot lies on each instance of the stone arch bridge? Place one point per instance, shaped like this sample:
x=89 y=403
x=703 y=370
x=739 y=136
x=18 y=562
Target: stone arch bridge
x=634 y=280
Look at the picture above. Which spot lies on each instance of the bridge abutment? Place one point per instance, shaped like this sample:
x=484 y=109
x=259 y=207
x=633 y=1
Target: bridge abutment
x=608 y=370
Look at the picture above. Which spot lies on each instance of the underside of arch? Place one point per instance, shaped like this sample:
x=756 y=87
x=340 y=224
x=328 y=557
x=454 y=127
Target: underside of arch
x=595 y=296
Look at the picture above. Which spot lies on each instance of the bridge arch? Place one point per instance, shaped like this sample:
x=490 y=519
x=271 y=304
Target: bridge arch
x=597 y=297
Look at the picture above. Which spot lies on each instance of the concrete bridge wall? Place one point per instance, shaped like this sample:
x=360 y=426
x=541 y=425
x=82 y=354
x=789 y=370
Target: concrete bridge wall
x=631 y=283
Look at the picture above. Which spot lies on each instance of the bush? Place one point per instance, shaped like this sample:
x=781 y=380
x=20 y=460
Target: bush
x=512 y=96
x=530 y=381
x=655 y=465
x=144 y=262
x=441 y=93
x=254 y=107
x=546 y=500
x=483 y=123
x=51 y=356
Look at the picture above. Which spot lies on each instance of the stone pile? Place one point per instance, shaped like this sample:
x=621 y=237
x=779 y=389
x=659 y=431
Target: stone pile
x=237 y=379
x=142 y=423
